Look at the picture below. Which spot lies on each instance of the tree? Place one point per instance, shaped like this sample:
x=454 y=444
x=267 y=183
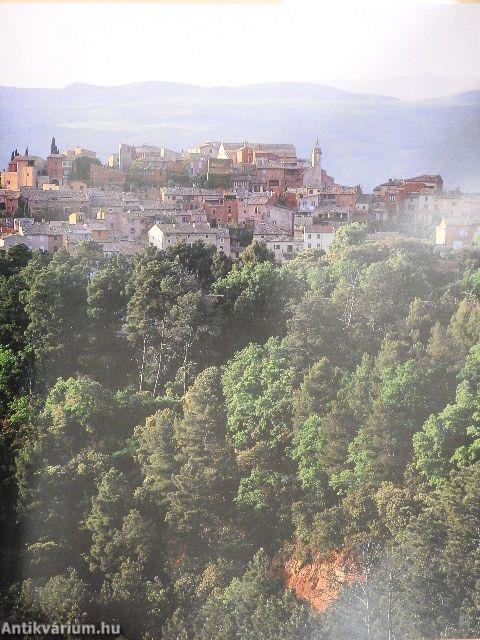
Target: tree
x=451 y=439
x=108 y=353
x=201 y=503
x=314 y=332
x=190 y=324
x=258 y=386
x=80 y=169
x=64 y=597
x=53 y=147
x=13 y=317
x=256 y=253
x=253 y=606
x=437 y=556
x=156 y=454
x=319 y=388
x=153 y=289
x=383 y=448
x=464 y=326
x=312 y=403
x=109 y=507
x=348 y=236
x=56 y=306
x=254 y=301
x=200 y=260
x=15 y=372
x=14 y=259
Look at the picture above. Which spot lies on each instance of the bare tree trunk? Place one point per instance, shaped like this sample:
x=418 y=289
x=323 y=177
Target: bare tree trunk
x=157 y=373
x=142 y=368
x=185 y=360
x=367 y=604
x=159 y=366
x=389 y=612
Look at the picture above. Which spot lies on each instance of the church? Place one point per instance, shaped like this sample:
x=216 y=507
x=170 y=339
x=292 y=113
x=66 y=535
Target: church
x=316 y=176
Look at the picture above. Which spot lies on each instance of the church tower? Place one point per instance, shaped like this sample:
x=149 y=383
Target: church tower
x=317 y=158
x=315 y=176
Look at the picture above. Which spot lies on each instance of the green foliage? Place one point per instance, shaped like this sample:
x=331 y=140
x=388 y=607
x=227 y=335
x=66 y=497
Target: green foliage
x=13 y=260
x=201 y=499
x=438 y=560
x=253 y=607
x=330 y=405
x=80 y=169
x=56 y=305
x=451 y=439
x=348 y=236
x=256 y=253
x=258 y=387
x=255 y=301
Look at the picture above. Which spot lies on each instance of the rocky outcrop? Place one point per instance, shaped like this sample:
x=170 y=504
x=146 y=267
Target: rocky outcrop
x=320 y=581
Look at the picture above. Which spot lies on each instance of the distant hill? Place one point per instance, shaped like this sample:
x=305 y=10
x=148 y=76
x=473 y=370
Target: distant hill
x=366 y=138
x=424 y=86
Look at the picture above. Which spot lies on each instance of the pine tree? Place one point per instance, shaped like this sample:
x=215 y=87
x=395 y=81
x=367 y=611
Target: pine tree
x=202 y=502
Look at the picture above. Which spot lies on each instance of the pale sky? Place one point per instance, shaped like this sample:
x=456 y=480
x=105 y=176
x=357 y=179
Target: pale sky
x=52 y=45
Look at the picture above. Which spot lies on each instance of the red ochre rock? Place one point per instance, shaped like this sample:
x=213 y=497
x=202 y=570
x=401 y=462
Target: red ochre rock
x=320 y=581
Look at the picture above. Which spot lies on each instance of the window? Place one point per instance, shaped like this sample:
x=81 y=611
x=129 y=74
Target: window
x=318 y=236
x=276 y=247
x=309 y=245
x=289 y=248
x=309 y=236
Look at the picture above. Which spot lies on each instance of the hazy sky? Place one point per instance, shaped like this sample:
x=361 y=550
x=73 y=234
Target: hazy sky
x=51 y=45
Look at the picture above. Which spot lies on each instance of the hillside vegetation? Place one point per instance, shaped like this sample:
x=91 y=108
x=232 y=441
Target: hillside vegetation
x=178 y=432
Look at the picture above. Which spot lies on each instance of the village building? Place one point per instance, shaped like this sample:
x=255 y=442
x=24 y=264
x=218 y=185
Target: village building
x=35 y=235
x=21 y=172
x=103 y=176
x=57 y=168
x=163 y=236
x=455 y=203
x=456 y=233
x=148 y=156
x=318 y=236
x=284 y=246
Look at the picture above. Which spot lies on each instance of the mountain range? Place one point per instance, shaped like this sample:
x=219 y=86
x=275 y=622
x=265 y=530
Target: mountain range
x=422 y=86
x=366 y=137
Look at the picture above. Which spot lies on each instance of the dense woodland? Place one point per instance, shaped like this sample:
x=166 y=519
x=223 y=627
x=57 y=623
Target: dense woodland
x=176 y=426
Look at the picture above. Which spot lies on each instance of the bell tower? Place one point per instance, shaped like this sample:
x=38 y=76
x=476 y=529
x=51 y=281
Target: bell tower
x=317 y=157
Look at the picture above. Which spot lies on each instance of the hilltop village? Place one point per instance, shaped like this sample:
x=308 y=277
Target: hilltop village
x=223 y=194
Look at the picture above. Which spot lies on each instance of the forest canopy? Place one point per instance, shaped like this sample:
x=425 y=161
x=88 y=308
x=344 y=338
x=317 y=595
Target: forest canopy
x=176 y=428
